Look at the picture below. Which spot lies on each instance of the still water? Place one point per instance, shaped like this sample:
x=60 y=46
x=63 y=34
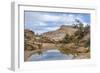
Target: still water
x=50 y=55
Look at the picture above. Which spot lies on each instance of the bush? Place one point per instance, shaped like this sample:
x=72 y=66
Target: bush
x=66 y=39
x=87 y=44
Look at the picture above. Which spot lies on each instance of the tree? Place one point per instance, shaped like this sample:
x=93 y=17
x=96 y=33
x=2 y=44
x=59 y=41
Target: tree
x=86 y=29
x=75 y=26
x=80 y=32
x=66 y=39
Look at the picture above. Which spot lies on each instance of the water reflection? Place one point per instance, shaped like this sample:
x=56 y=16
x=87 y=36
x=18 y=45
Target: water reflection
x=50 y=55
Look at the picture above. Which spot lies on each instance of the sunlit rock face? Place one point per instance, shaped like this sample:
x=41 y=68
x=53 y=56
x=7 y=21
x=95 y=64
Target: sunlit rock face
x=60 y=33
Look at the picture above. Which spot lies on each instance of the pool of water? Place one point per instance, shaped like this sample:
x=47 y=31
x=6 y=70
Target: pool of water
x=50 y=55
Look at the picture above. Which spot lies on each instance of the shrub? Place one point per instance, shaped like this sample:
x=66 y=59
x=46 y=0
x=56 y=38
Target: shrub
x=66 y=39
x=87 y=44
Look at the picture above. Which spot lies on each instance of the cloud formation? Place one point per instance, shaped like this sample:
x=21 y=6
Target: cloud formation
x=41 y=22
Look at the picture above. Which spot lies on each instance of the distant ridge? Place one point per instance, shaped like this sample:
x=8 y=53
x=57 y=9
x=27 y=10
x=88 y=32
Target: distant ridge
x=60 y=33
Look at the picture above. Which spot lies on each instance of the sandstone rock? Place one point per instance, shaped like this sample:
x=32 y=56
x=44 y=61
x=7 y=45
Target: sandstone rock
x=83 y=56
x=82 y=49
x=60 y=33
x=29 y=40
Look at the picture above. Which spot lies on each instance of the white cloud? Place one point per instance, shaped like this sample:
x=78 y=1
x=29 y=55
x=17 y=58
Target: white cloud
x=69 y=18
x=41 y=24
x=48 y=17
x=64 y=18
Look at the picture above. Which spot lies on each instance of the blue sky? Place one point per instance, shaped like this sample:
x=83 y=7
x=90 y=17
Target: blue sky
x=41 y=22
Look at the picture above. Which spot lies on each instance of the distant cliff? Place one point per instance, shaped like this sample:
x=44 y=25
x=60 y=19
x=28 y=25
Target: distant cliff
x=59 y=34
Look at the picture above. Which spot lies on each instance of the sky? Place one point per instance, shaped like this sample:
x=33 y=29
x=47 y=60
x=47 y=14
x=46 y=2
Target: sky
x=41 y=22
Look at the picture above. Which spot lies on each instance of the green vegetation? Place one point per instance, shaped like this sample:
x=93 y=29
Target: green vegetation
x=66 y=39
x=87 y=44
x=80 y=32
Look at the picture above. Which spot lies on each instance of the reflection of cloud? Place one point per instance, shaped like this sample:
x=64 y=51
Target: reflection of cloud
x=45 y=21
